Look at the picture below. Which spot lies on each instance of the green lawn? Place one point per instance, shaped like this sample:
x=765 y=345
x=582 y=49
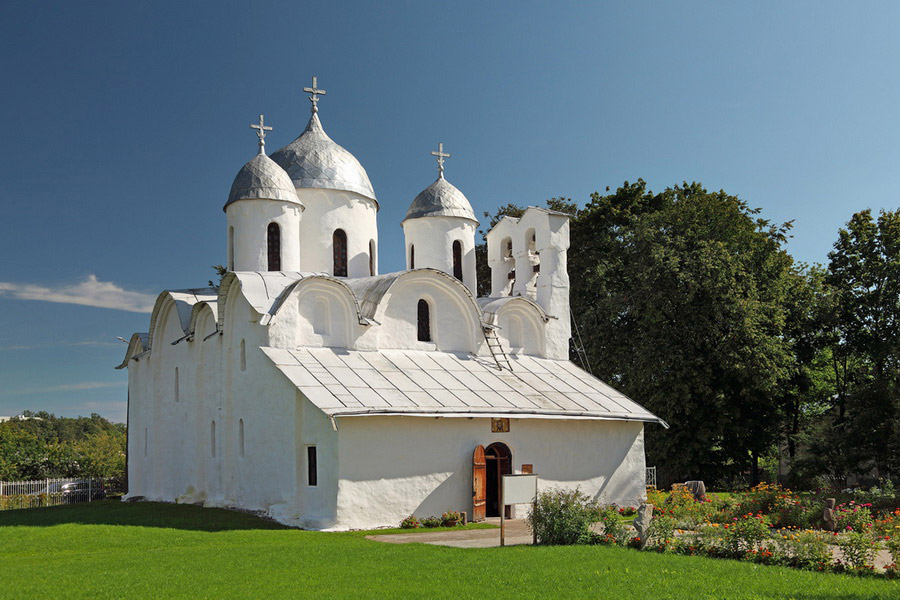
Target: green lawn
x=116 y=550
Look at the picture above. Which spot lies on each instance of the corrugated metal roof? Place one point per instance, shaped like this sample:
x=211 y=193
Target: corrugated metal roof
x=348 y=382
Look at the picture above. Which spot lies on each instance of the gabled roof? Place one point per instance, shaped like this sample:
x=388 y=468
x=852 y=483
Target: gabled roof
x=407 y=382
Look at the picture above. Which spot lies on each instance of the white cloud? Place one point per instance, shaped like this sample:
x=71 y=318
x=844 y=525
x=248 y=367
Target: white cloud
x=66 y=387
x=60 y=344
x=90 y=292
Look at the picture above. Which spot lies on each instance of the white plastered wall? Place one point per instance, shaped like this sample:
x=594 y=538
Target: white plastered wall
x=455 y=322
x=433 y=239
x=327 y=211
x=391 y=467
x=250 y=220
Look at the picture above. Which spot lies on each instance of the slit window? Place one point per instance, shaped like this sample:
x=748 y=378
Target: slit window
x=241 y=436
x=212 y=439
x=457 y=260
x=372 y=258
x=273 y=244
x=339 y=241
x=424 y=321
x=177 y=391
x=412 y=257
x=312 y=469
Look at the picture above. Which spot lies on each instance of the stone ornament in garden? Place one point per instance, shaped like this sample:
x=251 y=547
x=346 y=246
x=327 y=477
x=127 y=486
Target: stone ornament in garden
x=697 y=488
x=828 y=514
x=642 y=522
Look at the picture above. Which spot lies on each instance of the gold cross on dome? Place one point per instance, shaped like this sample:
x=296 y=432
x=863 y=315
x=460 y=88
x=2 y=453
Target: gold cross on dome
x=315 y=93
x=261 y=130
x=441 y=155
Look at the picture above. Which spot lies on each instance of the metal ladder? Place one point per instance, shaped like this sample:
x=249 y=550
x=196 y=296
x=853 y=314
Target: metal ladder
x=496 y=348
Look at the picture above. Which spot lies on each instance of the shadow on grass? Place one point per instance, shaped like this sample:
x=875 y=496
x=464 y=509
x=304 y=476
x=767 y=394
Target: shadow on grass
x=137 y=514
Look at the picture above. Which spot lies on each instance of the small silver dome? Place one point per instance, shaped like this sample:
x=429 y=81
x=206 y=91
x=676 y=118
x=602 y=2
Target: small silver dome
x=313 y=160
x=441 y=199
x=262 y=179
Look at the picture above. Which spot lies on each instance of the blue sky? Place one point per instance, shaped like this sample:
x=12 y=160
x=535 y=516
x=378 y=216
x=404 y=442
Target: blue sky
x=124 y=123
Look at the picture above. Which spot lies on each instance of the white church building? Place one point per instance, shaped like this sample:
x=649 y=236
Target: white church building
x=327 y=395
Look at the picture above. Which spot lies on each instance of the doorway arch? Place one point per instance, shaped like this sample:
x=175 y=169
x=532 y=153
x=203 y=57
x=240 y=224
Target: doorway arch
x=498 y=459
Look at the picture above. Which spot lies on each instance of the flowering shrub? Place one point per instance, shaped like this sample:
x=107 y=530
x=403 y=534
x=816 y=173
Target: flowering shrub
x=853 y=517
x=888 y=524
x=410 y=522
x=745 y=533
x=806 y=549
x=450 y=518
x=614 y=530
x=858 y=549
x=627 y=511
x=893 y=546
x=661 y=532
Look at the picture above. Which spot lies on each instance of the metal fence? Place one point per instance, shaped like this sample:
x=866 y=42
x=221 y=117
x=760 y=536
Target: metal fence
x=651 y=476
x=50 y=492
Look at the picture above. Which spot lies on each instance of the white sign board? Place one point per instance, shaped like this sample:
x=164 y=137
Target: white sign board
x=519 y=489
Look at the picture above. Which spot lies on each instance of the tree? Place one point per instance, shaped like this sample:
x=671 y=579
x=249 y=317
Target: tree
x=680 y=300
x=864 y=272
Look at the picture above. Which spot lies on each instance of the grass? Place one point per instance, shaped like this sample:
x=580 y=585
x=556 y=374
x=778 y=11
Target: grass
x=146 y=550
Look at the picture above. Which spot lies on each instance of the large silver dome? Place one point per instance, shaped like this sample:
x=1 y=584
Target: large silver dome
x=441 y=199
x=262 y=178
x=313 y=160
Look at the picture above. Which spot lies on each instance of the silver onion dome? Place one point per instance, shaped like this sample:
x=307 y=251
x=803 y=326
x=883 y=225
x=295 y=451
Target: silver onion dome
x=441 y=199
x=313 y=160
x=262 y=179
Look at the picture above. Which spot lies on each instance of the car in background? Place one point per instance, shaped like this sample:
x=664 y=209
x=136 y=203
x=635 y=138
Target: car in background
x=83 y=491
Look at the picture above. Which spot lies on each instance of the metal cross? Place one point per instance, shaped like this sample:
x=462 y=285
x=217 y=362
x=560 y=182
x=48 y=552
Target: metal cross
x=261 y=130
x=441 y=155
x=316 y=92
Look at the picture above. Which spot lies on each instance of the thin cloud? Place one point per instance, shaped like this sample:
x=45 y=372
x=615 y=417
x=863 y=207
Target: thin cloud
x=90 y=292
x=58 y=345
x=66 y=387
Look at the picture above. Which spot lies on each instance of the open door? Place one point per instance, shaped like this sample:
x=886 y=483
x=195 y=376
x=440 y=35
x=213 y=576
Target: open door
x=479 y=484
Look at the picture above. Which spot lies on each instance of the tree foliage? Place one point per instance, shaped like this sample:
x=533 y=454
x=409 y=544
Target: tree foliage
x=42 y=445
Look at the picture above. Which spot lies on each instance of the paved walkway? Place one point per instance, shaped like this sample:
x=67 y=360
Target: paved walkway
x=517 y=532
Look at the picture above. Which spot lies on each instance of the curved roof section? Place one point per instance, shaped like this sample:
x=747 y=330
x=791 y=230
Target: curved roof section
x=139 y=343
x=369 y=291
x=262 y=179
x=313 y=160
x=184 y=302
x=491 y=306
x=441 y=199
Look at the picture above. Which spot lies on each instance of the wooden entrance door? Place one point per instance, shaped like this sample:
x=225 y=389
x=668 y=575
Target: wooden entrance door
x=479 y=484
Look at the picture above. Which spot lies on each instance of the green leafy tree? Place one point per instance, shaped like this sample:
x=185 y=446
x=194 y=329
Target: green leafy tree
x=864 y=273
x=680 y=299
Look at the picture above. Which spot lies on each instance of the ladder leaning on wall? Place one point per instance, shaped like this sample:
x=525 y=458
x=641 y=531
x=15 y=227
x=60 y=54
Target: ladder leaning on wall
x=496 y=348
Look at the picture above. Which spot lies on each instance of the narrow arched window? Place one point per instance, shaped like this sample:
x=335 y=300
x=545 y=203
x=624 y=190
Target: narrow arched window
x=231 y=248
x=212 y=439
x=273 y=244
x=177 y=390
x=243 y=356
x=457 y=259
x=241 y=435
x=339 y=241
x=412 y=257
x=424 y=320
x=372 y=258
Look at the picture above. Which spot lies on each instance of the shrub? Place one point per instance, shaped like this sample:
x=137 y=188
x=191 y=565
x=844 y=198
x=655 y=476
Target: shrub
x=410 y=522
x=614 y=530
x=432 y=522
x=562 y=517
x=858 y=549
x=662 y=531
x=806 y=549
x=745 y=533
x=853 y=516
x=893 y=545
x=450 y=518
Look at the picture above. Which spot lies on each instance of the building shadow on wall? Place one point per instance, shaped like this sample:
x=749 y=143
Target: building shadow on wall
x=138 y=514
